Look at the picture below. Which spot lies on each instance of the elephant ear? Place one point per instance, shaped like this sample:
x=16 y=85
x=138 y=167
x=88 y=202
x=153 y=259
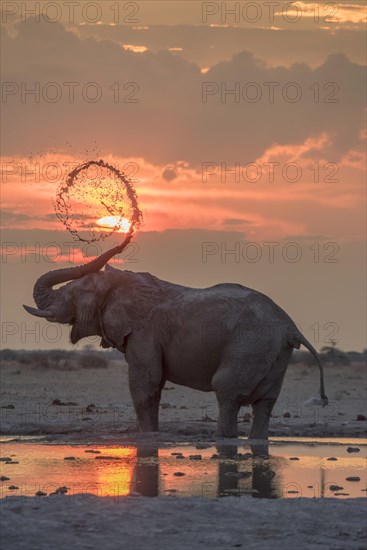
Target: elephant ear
x=85 y=322
x=129 y=306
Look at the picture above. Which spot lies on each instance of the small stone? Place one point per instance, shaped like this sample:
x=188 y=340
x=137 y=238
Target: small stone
x=57 y=402
x=183 y=407
x=90 y=408
x=332 y=458
x=179 y=474
x=5 y=459
x=287 y=415
x=13 y=487
x=359 y=417
x=12 y=462
x=92 y=451
x=293 y=492
x=195 y=457
x=294 y=458
x=41 y=494
x=353 y=478
x=353 y=449
x=176 y=454
x=335 y=488
x=170 y=490
x=8 y=407
x=61 y=490
x=4 y=478
x=214 y=457
x=69 y=458
x=180 y=456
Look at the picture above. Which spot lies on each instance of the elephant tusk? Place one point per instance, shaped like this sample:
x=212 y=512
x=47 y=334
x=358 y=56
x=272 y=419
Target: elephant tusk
x=39 y=312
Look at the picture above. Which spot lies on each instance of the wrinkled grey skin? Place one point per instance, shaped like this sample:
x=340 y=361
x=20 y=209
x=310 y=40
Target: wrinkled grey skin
x=227 y=338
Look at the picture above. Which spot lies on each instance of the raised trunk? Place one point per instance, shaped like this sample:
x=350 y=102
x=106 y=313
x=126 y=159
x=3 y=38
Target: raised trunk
x=44 y=295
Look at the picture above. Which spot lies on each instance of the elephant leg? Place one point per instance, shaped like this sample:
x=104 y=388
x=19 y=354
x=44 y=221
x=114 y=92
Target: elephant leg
x=146 y=388
x=228 y=413
x=260 y=426
x=146 y=379
x=228 y=402
x=146 y=409
x=262 y=411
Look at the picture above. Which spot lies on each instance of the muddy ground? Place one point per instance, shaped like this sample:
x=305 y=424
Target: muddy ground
x=94 y=406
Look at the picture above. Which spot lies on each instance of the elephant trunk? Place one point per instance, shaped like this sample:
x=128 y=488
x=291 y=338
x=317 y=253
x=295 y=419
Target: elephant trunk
x=43 y=292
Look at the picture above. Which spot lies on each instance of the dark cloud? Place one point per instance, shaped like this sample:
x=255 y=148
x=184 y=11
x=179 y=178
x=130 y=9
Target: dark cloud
x=170 y=122
x=169 y=174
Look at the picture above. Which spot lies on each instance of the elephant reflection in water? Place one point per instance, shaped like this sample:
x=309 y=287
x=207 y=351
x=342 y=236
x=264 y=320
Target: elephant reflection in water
x=146 y=476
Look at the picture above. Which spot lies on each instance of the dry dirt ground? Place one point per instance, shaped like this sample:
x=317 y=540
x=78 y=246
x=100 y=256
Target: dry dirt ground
x=170 y=523
x=94 y=405
x=80 y=403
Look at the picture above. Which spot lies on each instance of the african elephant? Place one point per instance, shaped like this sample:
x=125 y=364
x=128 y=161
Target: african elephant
x=228 y=339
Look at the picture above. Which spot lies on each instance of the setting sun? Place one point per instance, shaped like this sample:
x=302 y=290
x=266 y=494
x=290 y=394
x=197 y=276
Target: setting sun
x=109 y=222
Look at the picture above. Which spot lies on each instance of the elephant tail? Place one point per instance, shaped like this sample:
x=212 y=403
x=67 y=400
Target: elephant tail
x=300 y=339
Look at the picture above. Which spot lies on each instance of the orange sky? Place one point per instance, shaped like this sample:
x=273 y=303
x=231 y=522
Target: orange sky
x=208 y=163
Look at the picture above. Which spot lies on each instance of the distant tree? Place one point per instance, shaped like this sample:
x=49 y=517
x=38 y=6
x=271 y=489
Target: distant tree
x=335 y=356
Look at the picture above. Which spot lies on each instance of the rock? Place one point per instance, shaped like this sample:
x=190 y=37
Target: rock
x=353 y=478
x=4 y=478
x=180 y=456
x=359 y=417
x=294 y=458
x=90 y=408
x=195 y=457
x=57 y=402
x=69 y=457
x=353 y=449
x=13 y=487
x=332 y=458
x=92 y=451
x=8 y=407
x=293 y=492
x=167 y=406
x=176 y=454
x=214 y=457
x=12 y=462
x=287 y=415
x=5 y=459
x=182 y=406
x=61 y=490
x=179 y=474
x=41 y=494
x=335 y=488
x=170 y=490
